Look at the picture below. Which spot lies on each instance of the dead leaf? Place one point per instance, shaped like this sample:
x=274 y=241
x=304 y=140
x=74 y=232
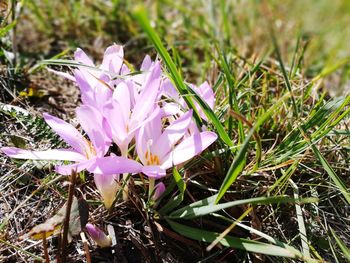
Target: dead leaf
x=52 y=226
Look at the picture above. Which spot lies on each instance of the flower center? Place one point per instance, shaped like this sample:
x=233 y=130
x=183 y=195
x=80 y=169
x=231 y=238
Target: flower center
x=151 y=159
x=90 y=151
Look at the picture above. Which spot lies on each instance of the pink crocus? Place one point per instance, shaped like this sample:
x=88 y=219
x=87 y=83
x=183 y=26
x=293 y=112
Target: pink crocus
x=101 y=239
x=96 y=85
x=84 y=153
x=122 y=117
x=96 y=82
x=159 y=150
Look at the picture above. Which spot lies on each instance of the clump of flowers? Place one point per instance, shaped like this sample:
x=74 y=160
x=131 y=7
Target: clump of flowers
x=120 y=107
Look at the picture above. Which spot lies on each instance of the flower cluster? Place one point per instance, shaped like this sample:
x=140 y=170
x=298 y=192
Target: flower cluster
x=125 y=108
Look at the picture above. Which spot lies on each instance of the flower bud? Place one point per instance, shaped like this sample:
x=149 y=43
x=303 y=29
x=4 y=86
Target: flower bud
x=158 y=191
x=98 y=236
x=108 y=187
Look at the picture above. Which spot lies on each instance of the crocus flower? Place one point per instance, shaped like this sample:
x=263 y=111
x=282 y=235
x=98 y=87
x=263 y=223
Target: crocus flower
x=122 y=118
x=96 y=83
x=98 y=236
x=97 y=86
x=159 y=150
x=83 y=152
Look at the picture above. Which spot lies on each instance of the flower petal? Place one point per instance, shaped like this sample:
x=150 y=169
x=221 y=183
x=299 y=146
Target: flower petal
x=113 y=59
x=80 y=56
x=169 y=90
x=189 y=148
x=158 y=190
x=91 y=121
x=121 y=94
x=62 y=74
x=55 y=154
x=154 y=171
x=98 y=236
x=78 y=167
x=115 y=165
x=108 y=187
x=146 y=63
x=146 y=101
x=171 y=135
x=118 y=126
x=170 y=108
x=141 y=144
x=86 y=91
x=207 y=93
x=67 y=132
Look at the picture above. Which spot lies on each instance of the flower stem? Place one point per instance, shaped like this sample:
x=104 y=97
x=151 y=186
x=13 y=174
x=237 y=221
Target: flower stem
x=124 y=153
x=151 y=187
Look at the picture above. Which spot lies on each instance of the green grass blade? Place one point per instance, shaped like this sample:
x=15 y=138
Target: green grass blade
x=6 y=29
x=238 y=243
x=284 y=72
x=141 y=17
x=211 y=116
x=195 y=210
x=177 y=200
x=301 y=222
x=179 y=181
x=338 y=182
x=239 y=161
x=341 y=245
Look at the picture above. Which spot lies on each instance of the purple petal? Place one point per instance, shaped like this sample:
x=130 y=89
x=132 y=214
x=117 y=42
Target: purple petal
x=207 y=93
x=67 y=132
x=171 y=135
x=78 y=167
x=91 y=121
x=113 y=59
x=189 y=148
x=152 y=123
x=62 y=74
x=115 y=165
x=154 y=171
x=98 y=236
x=141 y=144
x=55 y=154
x=158 y=190
x=146 y=63
x=87 y=93
x=169 y=90
x=121 y=94
x=146 y=101
x=102 y=93
x=80 y=56
x=116 y=122
x=169 y=109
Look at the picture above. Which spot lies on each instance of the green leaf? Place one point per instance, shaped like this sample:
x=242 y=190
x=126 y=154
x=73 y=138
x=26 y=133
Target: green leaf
x=177 y=200
x=205 y=207
x=179 y=181
x=239 y=243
